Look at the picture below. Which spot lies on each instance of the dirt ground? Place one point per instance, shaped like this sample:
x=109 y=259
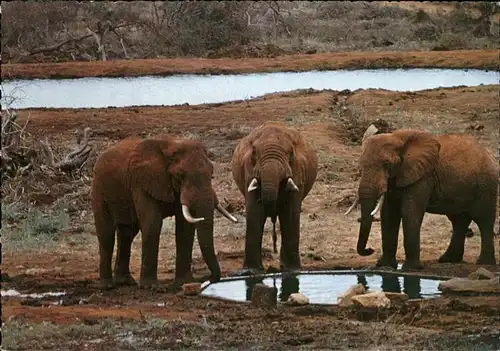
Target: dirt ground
x=129 y=318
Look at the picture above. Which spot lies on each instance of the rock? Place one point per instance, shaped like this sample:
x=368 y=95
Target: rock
x=191 y=288
x=345 y=299
x=397 y=299
x=297 y=299
x=481 y=274
x=374 y=299
x=264 y=296
x=468 y=285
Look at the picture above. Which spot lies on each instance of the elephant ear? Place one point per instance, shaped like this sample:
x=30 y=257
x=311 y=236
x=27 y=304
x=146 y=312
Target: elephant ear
x=248 y=160
x=149 y=169
x=299 y=162
x=419 y=155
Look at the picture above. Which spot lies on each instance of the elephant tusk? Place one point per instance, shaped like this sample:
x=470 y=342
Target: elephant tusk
x=379 y=205
x=253 y=185
x=353 y=206
x=226 y=214
x=371 y=130
x=290 y=185
x=188 y=217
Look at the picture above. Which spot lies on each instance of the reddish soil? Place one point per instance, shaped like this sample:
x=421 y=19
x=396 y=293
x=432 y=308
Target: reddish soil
x=332 y=121
x=487 y=59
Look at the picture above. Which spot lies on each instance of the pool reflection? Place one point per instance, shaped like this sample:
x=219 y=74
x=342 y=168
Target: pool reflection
x=324 y=288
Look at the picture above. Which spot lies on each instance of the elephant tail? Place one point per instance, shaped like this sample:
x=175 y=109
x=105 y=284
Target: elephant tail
x=275 y=237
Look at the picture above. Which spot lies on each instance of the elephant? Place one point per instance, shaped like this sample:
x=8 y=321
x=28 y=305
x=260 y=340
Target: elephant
x=136 y=184
x=274 y=169
x=408 y=173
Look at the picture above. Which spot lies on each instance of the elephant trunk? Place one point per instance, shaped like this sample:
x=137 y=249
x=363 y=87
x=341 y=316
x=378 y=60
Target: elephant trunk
x=271 y=176
x=365 y=228
x=198 y=208
x=368 y=196
x=205 y=235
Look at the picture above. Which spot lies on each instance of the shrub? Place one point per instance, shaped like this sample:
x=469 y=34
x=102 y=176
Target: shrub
x=36 y=231
x=426 y=32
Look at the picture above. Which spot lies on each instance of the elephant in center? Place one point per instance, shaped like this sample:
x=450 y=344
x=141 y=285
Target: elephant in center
x=136 y=184
x=407 y=173
x=274 y=169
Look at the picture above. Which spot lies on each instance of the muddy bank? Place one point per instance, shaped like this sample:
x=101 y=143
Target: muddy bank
x=481 y=59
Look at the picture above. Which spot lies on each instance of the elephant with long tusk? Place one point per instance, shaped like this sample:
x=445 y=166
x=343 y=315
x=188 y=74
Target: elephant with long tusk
x=407 y=173
x=274 y=169
x=136 y=184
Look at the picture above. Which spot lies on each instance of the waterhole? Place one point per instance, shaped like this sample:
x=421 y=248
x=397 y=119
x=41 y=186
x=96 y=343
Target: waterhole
x=201 y=89
x=325 y=287
x=15 y=293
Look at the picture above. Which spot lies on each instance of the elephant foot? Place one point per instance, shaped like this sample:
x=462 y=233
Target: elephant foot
x=410 y=265
x=150 y=283
x=272 y=270
x=248 y=272
x=486 y=260
x=186 y=278
x=450 y=257
x=106 y=284
x=382 y=268
x=214 y=278
x=290 y=269
x=387 y=262
x=125 y=280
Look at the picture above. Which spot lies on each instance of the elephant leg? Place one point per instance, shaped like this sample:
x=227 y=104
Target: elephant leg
x=289 y=216
x=256 y=219
x=105 y=230
x=151 y=220
x=487 y=254
x=126 y=235
x=455 y=251
x=184 y=238
x=412 y=213
x=390 y=219
x=390 y=283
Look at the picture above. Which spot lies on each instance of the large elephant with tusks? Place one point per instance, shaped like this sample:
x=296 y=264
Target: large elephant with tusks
x=274 y=169
x=136 y=184
x=407 y=173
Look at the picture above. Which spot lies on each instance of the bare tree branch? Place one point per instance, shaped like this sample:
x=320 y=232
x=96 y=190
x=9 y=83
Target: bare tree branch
x=56 y=47
x=114 y=31
x=74 y=160
x=275 y=7
x=102 y=30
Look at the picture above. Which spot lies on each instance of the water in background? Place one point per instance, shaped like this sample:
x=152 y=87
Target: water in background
x=200 y=89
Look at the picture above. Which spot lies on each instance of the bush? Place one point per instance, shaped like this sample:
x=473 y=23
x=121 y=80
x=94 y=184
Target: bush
x=451 y=41
x=36 y=231
x=421 y=16
x=141 y=29
x=427 y=32
x=50 y=225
